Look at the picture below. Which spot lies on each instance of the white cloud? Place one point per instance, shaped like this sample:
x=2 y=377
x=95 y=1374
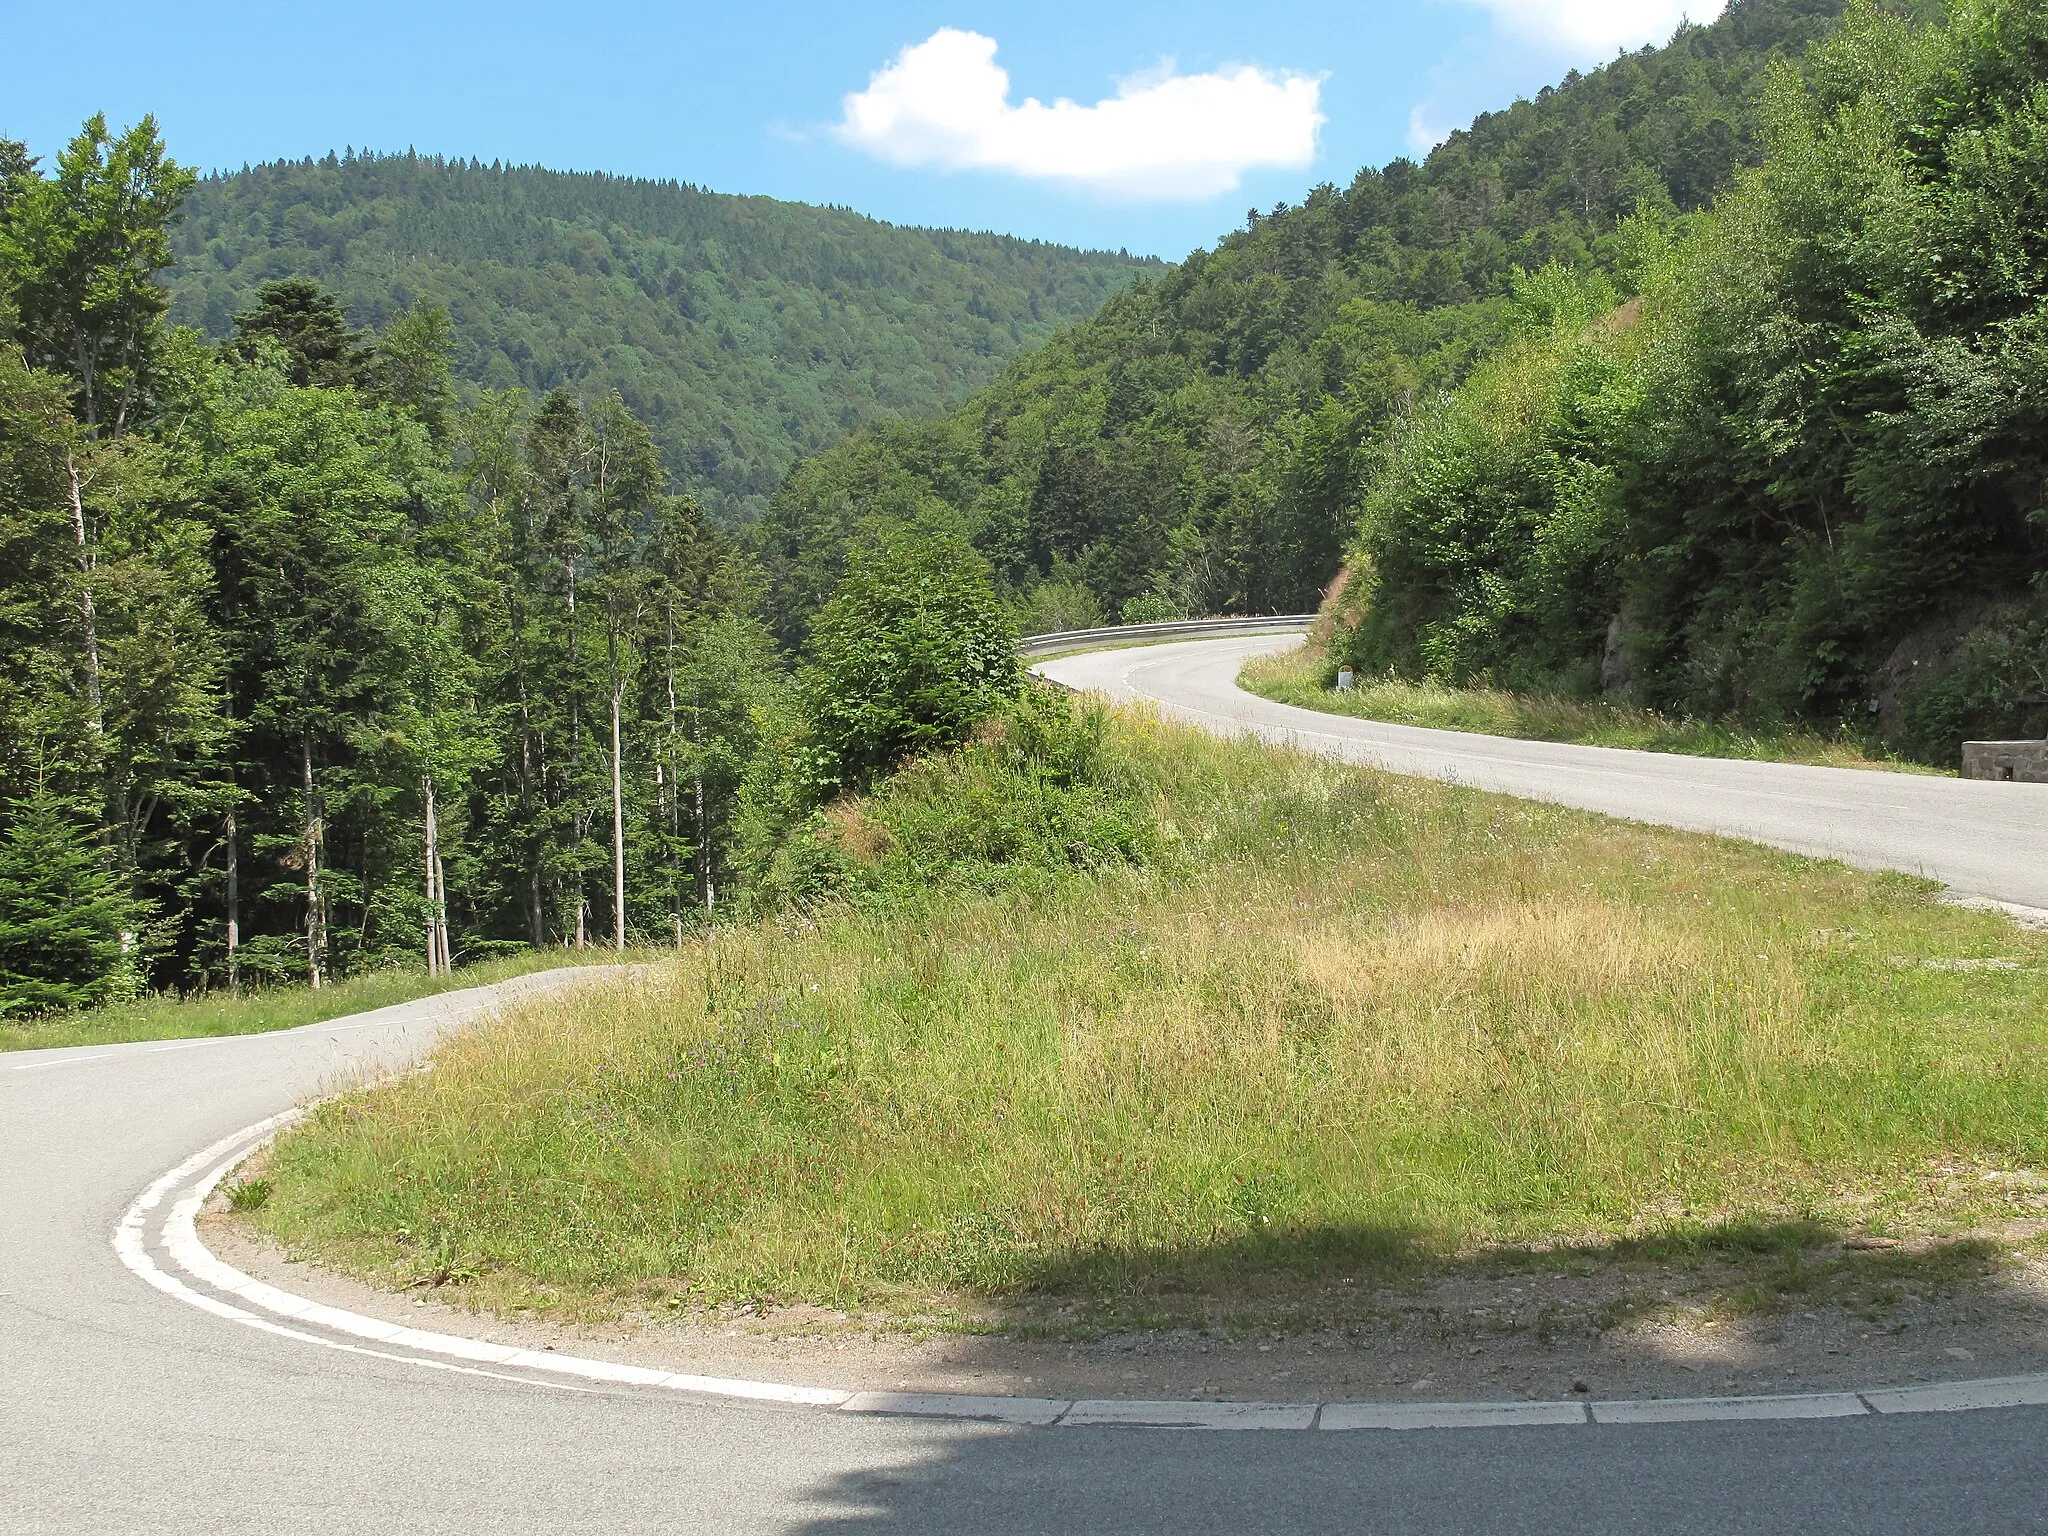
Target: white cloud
x=945 y=103
x=1599 y=25
x=1423 y=135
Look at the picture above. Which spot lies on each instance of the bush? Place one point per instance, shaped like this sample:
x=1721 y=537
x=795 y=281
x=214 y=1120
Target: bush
x=1994 y=687
x=910 y=652
x=1058 y=607
x=1036 y=794
x=1154 y=608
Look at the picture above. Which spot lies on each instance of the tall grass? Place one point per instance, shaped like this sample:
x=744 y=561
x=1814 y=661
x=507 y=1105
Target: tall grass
x=1300 y=677
x=1337 y=1021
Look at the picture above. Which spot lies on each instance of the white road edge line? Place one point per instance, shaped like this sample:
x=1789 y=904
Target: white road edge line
x=181 y=1241
x=180 y=1237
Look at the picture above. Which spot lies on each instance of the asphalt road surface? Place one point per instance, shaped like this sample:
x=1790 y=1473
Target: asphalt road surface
x=124 y=1409
x=1982 y=839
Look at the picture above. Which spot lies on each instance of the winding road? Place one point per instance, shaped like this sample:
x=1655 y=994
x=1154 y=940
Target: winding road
x=1983 y=840
x=126 y=1406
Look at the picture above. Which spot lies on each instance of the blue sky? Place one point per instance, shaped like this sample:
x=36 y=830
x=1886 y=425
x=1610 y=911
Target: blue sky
x=1178 y=116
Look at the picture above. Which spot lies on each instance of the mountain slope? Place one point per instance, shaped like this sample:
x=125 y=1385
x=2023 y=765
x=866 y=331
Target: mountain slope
x=1802 y=475
x=744 y=330
x=1205 y=436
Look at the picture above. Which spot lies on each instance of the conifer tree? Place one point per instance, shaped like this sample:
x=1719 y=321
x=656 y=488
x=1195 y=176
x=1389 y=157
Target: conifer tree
x=62 y=914
x=304 y=323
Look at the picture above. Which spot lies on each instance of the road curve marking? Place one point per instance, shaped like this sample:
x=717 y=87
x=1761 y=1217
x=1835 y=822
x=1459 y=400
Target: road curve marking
x=194 y=1179
x=180 y=1240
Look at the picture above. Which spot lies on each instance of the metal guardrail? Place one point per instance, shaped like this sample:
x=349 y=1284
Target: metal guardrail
x=1032 y=646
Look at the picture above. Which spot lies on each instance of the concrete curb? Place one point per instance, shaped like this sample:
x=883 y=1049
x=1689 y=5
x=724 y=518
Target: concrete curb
x=193 y=1180
x=2026 y=917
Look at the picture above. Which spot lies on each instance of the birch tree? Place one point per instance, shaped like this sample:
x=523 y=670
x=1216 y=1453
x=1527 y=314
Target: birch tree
x=626 y=491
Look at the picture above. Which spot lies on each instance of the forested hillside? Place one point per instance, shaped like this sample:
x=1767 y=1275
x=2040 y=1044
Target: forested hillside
x=1201 y=444
x=310 y=665
x=1803 y=472
x=315 y=656
x=744 y=331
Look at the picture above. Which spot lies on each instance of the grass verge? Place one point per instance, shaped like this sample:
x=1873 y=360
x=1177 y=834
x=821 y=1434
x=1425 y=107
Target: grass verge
x=1297 y=677
x=1332 y=1025
x=258 y=1012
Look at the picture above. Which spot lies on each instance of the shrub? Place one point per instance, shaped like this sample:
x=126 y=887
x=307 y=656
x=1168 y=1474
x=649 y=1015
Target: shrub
x=909 y=653
x=1995 y=686
x=1154 y=608
x=1057 y=607
x=1037 y=793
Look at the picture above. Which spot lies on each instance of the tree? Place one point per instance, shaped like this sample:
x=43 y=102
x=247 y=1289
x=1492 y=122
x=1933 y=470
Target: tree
x=304 y=322
x=80 y=252
x=317 y=502
x=17 y=173
x=39 y=697
x=626 y=491
x=416 y=366
x=62 y=914
x=556 y=548
x=911 y=650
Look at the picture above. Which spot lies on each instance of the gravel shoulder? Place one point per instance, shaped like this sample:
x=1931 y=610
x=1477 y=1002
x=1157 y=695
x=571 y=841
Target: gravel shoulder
x=1548 y=1325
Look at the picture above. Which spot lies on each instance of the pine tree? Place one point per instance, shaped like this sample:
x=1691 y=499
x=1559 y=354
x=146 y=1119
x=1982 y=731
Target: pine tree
x=62 y=913
x=304 y=322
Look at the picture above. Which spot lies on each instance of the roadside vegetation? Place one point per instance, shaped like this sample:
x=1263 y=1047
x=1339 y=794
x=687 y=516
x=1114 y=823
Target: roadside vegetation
x=262 y=1009
x=1783 y=465
x=1200 y=443
x=1102 y=1011
x=1302 y=677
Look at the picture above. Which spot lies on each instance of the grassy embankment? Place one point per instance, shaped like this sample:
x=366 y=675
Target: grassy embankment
x=260 y=1011
x=1296 y=677
x=1275 y=1025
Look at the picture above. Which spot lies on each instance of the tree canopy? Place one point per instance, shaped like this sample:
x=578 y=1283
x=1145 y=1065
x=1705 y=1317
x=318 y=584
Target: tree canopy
x=1204 y=438
x=1801 y=473
x=744 y=331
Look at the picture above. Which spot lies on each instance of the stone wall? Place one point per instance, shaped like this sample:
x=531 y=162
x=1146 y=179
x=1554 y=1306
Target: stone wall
x=2023 y=762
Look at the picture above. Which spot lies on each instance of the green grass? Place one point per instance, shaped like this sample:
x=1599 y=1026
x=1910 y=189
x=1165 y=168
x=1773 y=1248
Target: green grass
x=1297 y=677
x=1330 y=1024
x=259 y=1011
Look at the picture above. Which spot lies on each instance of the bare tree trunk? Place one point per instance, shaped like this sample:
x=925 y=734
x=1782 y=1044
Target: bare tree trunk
x=234 y=907
x=703 y=827
x=671 y=800
x=579 y=823
x=432 y=858
x=518 y=616
x=618 y=836
x=665 y=810
x=87 y=377
x=704 y=852
x=88 y=616
x=441 y=906
x=316 y=924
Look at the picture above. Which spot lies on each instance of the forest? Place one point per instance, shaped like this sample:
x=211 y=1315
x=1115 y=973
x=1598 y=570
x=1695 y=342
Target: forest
x=1704 y=381
x=309 y=665
x=320 y=654
x=1789 y=465
x=1201 y=444
x=743 y=331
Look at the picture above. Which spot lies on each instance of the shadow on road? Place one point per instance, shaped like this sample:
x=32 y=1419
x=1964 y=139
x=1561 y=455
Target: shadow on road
x=1926 y=1473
